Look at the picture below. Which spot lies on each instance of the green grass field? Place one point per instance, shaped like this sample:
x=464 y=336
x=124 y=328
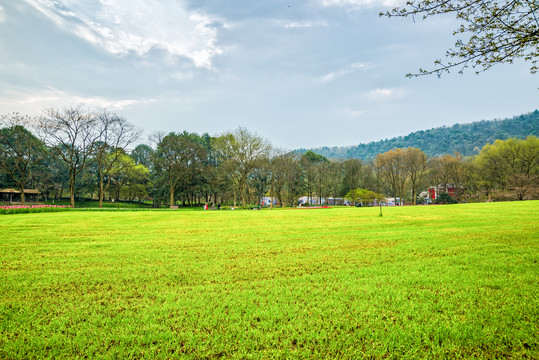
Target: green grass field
x=456 y=281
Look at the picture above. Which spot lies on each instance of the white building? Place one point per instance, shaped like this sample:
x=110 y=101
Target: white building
x=391 y=201
x=266 y=201
x=323 y=201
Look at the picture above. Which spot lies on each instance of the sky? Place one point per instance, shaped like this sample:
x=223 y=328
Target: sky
x=301 y=74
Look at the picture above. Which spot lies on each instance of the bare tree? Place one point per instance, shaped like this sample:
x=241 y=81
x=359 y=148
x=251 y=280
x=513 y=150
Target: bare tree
x=391 y=166
x=117 y=134
x=334 y=180
x=416 y=167
x=447 y=173
x=286 y=177
x=352 y=174
x=73 y=133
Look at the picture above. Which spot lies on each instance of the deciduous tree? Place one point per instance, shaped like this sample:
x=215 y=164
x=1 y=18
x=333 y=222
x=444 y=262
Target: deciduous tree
x=286 y=177
x=352 y=174
x=416 y=168
x=116 y=135
x=364 y=195
x=240 y=152
x=20 y=151
x=126 y=178
x=180 y=159
x=516 y=162
x=142 y=155
x=72 y=133
x=315 y=168
x=392 y=168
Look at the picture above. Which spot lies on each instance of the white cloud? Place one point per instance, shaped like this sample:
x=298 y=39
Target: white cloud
x=182 y=76
x=137 y=26
x=300 y=24
x=56 y=98
x=346 y=71
x=2 y=15
x=356 y=113
x=361 y=4
x=384 y=94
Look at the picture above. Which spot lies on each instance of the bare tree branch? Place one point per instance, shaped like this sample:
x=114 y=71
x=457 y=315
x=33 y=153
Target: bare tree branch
x=495 y=32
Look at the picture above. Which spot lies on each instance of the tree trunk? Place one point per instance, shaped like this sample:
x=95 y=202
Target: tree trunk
x=106 y=188
x=72 y=189
x=171 y=189
x=101 y=192
x=22 y=193
x=271 y=195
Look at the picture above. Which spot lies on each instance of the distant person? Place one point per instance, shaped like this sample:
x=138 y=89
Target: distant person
x=219 y=206
x=206 y=206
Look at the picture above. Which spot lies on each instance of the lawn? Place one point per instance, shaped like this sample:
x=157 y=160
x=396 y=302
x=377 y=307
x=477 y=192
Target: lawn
x=452 y=281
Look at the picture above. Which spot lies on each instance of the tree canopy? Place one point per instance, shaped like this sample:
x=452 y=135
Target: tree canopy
x=20 y=151
x=513 y=163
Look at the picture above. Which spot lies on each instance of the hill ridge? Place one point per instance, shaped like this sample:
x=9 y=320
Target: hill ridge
x=468 y=139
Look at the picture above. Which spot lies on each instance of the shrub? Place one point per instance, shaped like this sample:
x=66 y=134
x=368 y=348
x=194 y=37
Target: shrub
x=445 y=198
x=25 y=209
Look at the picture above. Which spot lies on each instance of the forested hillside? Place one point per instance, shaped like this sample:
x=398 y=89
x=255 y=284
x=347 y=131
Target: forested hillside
x=467 y=139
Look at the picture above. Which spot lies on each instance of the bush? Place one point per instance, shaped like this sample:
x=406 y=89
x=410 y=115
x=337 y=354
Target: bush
x=26 y=209
x=445 y=198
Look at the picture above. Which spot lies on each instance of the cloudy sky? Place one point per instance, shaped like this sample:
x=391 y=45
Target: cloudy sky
x=300 y=73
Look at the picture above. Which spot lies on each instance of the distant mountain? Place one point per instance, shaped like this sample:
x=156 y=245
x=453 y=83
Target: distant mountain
x=467 y=139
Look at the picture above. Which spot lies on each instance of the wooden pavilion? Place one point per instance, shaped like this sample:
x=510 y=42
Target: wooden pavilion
x=14 y=195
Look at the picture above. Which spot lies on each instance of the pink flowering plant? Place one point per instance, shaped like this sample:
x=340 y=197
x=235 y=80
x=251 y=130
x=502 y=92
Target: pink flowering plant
x=25 y=209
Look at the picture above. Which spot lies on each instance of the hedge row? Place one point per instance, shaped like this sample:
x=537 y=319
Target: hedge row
x=25 y=209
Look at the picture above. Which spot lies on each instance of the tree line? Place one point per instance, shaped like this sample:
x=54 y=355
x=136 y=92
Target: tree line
x=94 y=153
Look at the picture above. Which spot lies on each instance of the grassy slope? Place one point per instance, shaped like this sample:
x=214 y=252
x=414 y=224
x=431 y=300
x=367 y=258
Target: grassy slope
x=453 y=281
